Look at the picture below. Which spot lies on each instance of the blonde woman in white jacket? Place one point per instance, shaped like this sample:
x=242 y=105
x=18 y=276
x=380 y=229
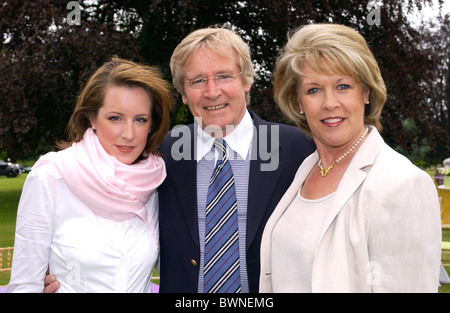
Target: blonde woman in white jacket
x=358 y=217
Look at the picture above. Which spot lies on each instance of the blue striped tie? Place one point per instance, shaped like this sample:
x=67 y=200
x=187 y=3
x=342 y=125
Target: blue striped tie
x=221 y=270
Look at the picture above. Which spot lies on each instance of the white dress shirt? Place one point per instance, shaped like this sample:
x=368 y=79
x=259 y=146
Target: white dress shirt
x=238 y=140
x=86 y=252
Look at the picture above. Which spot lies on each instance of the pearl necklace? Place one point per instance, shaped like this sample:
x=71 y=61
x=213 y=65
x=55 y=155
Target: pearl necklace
x=325 y=171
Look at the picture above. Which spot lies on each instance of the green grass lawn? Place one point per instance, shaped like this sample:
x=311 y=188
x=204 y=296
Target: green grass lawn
x=10 y=190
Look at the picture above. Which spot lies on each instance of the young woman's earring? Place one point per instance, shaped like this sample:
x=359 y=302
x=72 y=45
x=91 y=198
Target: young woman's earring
x=301 y=111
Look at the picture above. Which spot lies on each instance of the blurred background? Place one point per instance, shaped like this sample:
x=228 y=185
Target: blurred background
x=48 y=49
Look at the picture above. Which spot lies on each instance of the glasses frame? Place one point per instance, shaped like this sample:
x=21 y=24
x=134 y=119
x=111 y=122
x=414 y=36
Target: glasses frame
x=215 y=77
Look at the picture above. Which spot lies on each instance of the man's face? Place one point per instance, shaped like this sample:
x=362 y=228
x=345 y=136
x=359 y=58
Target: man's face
x=214 y=103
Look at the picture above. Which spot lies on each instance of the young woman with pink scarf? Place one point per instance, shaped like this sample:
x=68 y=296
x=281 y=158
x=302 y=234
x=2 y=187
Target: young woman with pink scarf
x=89 y=213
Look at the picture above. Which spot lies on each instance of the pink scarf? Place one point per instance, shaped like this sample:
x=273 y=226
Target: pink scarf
x=107 y=186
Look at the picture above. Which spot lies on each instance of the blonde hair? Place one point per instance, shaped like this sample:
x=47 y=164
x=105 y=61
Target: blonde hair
x=217 y=39
x=118 y=73
x=326 y=47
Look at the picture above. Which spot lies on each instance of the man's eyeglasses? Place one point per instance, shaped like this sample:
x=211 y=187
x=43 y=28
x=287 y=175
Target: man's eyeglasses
x=198 y=83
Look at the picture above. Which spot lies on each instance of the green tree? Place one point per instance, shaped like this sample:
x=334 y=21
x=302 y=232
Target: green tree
x=436 y=40
x=44 y=61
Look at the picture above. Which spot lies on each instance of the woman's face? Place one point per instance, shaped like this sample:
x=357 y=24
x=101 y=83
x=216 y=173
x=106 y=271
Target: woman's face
x=123 y=122
x=334 y=107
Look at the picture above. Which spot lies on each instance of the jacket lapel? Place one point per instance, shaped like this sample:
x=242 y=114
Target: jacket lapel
x=354 y=176
x=325 y=276
x=183 y=175
x=261 y=183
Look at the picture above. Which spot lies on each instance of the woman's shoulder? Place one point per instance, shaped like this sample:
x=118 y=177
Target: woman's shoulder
x=395 y=167
x=45 y=167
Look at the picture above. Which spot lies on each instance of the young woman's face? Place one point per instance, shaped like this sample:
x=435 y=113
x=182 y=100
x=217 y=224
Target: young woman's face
x=124 y=122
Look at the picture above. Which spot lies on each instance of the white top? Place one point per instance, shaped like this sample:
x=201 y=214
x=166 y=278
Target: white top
x=293 y=250
x=86 y=252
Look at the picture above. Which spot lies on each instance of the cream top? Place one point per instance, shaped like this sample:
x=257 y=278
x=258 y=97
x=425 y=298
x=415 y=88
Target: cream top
x=295 y=238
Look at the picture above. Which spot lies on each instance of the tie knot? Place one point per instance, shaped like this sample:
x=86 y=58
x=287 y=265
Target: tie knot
x=221 y=147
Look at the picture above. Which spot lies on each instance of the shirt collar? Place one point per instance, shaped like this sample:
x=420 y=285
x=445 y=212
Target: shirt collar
x=238 y=140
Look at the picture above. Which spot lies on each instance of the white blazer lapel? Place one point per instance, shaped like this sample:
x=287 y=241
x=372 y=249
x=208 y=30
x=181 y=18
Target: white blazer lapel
x=266 y=261
x=354 y=175
x=350 y=182
x=302 y=172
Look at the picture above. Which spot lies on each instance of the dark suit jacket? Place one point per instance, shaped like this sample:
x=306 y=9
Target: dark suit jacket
x=178 y=222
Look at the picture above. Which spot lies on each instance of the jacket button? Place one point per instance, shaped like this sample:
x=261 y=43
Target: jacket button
x=193 y=262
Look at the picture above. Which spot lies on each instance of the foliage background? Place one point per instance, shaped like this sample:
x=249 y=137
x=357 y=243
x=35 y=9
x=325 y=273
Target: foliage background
x=44 y=61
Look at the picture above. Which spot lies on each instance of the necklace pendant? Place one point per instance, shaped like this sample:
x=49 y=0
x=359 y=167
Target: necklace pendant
x=324 y=171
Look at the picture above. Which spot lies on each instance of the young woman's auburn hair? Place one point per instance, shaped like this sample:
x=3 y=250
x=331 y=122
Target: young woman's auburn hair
x=123 y=73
